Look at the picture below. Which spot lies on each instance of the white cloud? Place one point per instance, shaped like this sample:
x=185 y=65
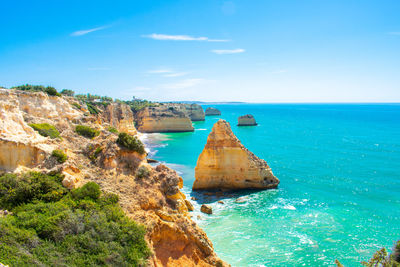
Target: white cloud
x=166 y=37
x=159 y=71
x=394 y=33
x=83 y=32
x=187 y=83
x=175 y=74
x=167 y=73
x=228 y=51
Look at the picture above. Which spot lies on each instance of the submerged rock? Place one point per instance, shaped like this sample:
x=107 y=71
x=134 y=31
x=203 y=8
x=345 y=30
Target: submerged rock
x=226 y=164
x=212 y=112
x=206 y=209
x=247 y=120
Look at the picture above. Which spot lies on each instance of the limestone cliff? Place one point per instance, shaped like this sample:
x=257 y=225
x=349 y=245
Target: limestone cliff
x=226 y=164
x=212 y=112
x=194 y=111
x=149 y=195
x=247 y=120
x=162 y=119
x=120 y=116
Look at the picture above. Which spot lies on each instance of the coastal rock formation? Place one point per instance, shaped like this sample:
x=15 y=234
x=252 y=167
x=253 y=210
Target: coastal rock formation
x=246 y=120
x=162 y=119
x=226 y=164
x=206 y=209
x=212 y=112
x=119 y=116
x=194 y=111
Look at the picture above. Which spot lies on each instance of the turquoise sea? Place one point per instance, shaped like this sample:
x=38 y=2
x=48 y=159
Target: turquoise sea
x=339 y=196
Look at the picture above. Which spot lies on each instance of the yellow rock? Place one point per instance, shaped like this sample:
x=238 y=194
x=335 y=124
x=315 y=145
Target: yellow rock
x=226 y=164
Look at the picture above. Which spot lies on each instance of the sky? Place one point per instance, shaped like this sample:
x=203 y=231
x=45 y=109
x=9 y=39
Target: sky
x=253 y=51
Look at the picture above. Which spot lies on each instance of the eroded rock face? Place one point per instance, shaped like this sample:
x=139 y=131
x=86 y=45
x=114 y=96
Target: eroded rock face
x=226 y=164
x=119 y=116
x=212 y=112
x=194 y=111
x=162 y=119
x=247 y=120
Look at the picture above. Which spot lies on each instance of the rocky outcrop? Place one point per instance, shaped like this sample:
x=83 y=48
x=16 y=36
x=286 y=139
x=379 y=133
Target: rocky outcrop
x=119 y=116
x=246 y=120
x=162 y=119
x=212 y=112
x=206 y=209
x=226 y=164
x=194 y=111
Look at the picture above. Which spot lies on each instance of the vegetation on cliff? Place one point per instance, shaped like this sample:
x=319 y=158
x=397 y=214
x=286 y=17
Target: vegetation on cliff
x=138 y=104
x=52 y=226
x=130 y=142
x=38 y=88
x=46 y=129
x=86 y=131
x=59 y=155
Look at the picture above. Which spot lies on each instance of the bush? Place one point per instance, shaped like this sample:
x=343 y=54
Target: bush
x=86 y=131
x=77 y=105
x=16 y=190
x=67 y=92
x=46 y=129
x=90 y=190
x=130 y=142
x=59 y=155
x=69 y=231
x=51 y=91
x=112 y=130
x=38 y=88
x=142 y=172
x=92 y=109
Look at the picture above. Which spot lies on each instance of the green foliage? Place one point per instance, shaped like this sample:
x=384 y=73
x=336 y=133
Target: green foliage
x=130 y=142
x=86 y=131
x=96 y=153
x=138 y=104
x=59 y=155
x=142 y=172
x=67 y=92
x=112 y=130
x=81 y=228
x=38 y=88
x=46 y=129
x=77 y=105
x=92 y=108
x=16 y=190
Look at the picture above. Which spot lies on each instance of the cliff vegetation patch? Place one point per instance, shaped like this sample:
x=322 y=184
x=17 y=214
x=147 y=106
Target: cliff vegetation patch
x=59 y=155
x=130 y=142
x=38 y=88
x=86 y=131
x=51 y=226
x=46 y=129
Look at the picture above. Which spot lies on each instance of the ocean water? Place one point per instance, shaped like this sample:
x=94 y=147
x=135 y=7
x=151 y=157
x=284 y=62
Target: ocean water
x=339 y=196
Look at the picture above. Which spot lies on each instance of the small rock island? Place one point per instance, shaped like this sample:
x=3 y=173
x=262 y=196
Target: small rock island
x=247 y=120
x=212 y=112
x=226 y=164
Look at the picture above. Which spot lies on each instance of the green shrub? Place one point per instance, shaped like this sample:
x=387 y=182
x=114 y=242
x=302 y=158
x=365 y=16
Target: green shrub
x=90 y=190
x=67 y=92
x=51 y=91
x=38 y=88
x=92 y=108
x=77 y=105
x=59 y=155
x=142 y=172
x=96 y=153
x=112 y=130
x=46 y=129
x=130 y=142
x=86 y=131
x=16 y=190
x=69 y=231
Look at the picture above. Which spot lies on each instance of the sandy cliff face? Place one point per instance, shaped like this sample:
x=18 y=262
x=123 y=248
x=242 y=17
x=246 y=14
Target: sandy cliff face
x=120 y=116
x=226 y=164
x=162 y=119
x=247 y=120
x=194 y=111
x=20 y=145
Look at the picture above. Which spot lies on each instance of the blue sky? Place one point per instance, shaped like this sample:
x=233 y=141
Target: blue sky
x=209 y=50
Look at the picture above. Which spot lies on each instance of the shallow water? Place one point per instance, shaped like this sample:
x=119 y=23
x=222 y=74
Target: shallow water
x=339 y=167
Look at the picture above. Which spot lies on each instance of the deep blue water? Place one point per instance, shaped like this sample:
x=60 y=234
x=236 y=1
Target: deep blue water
x=339 y=196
